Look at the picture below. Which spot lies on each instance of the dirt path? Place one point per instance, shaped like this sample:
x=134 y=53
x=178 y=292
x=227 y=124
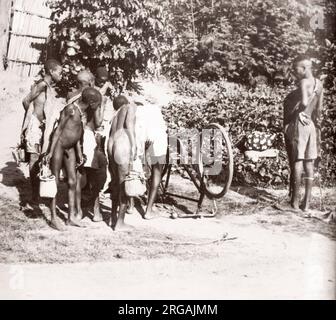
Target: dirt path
x=260 y=265
x=272 y=256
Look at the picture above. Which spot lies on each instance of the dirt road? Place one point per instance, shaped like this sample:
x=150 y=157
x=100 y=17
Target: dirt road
x=272 y=256
x=260 y=265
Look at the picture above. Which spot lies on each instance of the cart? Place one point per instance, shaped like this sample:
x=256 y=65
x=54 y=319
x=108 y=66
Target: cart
x=211 y=173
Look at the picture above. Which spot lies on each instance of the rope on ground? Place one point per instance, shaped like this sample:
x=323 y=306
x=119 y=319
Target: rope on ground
x=219 y=240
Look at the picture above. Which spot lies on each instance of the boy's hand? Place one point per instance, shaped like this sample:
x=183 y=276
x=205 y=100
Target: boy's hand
x=26 y=102
x=22 y=138
x=134 y=153
x=82 y=159
x=148 y=143
x=304 y=119
x=47 y=158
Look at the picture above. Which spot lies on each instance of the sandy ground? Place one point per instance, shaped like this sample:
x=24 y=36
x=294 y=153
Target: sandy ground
x=269 y=254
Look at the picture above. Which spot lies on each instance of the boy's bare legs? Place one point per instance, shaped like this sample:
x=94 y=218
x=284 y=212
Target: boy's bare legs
x=79 y=214
x=131 y=208
x=114 y=211
x=123 y=203
x=56 y=165
x=119 y=197
x=120 y=157
x=34 y=179
x=97 y=215
x=297 y=174
x=157 y=169
x=70 y=166
x=123 y=171
x=114 y=191
x=309 y=180
x=291 y=179
x=96 y=178
x=291 y=166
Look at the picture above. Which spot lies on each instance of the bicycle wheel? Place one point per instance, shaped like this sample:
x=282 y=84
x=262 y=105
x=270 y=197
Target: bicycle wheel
x=216 y=161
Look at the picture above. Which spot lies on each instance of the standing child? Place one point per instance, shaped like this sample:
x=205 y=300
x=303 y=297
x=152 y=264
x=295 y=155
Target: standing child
x=122 y=151
x=89 y=175
x=302 y=131
x=34 y=123
x=137 y=131
x=152 y=145
x=65 y=144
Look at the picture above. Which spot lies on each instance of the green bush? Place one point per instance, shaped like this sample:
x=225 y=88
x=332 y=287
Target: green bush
x=238 y=40
x=243 y=111
x=122 y=35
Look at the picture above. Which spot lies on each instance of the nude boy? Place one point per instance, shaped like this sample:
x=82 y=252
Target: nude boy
x=65 y=142
x=33 y=128
x=121 y=153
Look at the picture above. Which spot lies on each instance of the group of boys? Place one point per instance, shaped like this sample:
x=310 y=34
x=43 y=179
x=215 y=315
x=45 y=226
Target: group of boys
x=88 y=133
x=79 y=138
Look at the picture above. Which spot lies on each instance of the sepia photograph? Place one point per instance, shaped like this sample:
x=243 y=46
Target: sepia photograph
x=177 y=151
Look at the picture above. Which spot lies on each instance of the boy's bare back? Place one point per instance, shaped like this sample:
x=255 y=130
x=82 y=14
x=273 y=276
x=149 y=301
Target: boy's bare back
x=73 y=128
x=38 y=97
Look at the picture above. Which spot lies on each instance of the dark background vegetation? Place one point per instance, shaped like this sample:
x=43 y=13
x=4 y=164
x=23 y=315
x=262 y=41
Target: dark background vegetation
x=204 y=46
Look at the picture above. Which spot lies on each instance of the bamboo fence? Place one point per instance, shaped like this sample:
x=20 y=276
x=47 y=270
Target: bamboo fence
x=28 y=35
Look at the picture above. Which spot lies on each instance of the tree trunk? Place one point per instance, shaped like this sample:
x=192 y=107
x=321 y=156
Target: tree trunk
x=193 y=24
x=5 y=6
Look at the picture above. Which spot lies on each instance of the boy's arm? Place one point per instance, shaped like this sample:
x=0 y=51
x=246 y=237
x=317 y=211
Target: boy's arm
x=99 y=116
x=304 y=93
x=304 y=102
x=319 y=110
x=107 y=85
x=80 y=154
x=130 y=126
x=34 y=93
x=110 y=142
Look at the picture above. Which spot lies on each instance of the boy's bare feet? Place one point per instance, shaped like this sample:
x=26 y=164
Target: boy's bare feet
x=97 y=215
x=123 y=227
x=306 y=213
x=79 y=215
x=288 y=207
x=131 y=210
x=295 y=207
x=74 y=222
x=57 y=224
x=16 y=157
x=151 y=214
x=31 y=206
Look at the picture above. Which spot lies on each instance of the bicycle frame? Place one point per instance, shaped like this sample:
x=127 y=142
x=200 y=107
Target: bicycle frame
x=199 y=187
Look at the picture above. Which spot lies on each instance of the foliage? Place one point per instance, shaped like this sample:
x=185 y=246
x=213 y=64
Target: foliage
x=243 y=111
x=238 y=40
x=326 y=46
x=212 y=41
x=122 y=35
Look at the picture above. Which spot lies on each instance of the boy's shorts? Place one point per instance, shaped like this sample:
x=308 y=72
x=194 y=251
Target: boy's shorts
x=304 y=141
x=151 y=127
x=34 y=135
x=158 y=148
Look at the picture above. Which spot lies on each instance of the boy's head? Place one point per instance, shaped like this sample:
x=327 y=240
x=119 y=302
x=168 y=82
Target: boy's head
x=92 y=98
x=85 y=79
x=54 y=69
x=302 y=66
x=102 y=76
x=119 y=101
